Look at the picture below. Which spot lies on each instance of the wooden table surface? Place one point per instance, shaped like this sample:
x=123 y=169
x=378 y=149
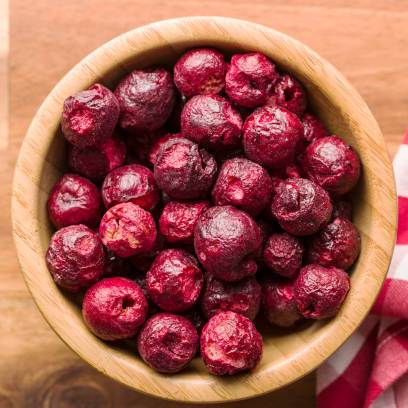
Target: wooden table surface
x=366 y=40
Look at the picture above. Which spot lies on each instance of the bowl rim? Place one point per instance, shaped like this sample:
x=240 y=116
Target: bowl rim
x=26 y=228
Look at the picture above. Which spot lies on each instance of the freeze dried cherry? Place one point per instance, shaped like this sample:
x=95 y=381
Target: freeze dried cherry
x=320 y=292
x=333 y=164
x=127 y=229
x=183 y=170
x=301 y=206
x=337 y=244
x=283 y=254
x=174 y=280
x=132 y=183
x=200 y=72
x=114 y=308
x=271 y=136
x=167 y=342
x=75 y=257
x=243 y=184
x=289 y=94
x=278 y=302
x=146 y=99
x=89 y=116
x=212 y=122
x=230 y=344
x=226 y=240
x=250 y=79
x=74 y=200
x=178 y=220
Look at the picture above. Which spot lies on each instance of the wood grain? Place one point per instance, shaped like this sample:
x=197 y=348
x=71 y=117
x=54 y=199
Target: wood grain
x=367 y=45
x=4 y=49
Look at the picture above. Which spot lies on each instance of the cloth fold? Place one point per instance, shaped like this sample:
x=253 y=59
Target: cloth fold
x=371 y=369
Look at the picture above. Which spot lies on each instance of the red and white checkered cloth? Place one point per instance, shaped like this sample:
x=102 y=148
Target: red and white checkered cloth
x=371 y=368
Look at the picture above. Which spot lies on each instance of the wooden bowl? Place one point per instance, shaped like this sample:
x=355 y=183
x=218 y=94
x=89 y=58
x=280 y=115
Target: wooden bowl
x=288 y=355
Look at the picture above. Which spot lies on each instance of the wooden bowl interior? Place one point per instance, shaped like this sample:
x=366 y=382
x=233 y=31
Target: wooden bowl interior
x=288 y=354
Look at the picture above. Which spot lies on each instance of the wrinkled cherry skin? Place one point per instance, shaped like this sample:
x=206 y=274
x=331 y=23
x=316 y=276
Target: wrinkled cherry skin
x=301 y=207
x=250 y=79
x=200 y=72
x=89 y=117
x=212 y=122
x=271 y=136
x=74 y=200
x=146 y=99
x=337 y=244
x=243 y=184
x=230 y=344
x=75 y=257
x=342 y=207
x=288 y=93
x=174 y=280
x=320 y=292
x=167 y=342
x=114 y=308
x=226 y=240
x=96 y=162
x=278 y=302
x=132 y=183
x=127 y=229
x=283 y=254
x=183 y=170
x=242 y=297
x=333 y=164
x=312 y=129
x=158 y=143
x=178 y=220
